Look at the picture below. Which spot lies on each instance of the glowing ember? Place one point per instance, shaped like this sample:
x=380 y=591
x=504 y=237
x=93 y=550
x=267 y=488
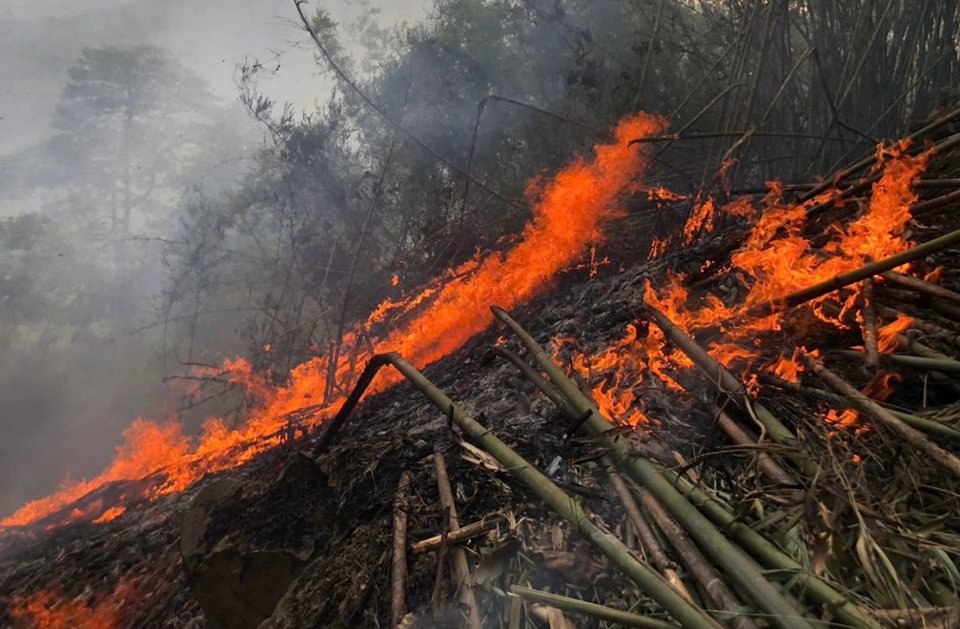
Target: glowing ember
x=567 y=211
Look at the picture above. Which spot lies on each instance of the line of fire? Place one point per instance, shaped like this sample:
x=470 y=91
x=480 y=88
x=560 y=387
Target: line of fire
x=670 y=388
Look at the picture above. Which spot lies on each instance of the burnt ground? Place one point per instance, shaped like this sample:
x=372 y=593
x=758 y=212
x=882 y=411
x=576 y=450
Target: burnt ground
x=322 y=524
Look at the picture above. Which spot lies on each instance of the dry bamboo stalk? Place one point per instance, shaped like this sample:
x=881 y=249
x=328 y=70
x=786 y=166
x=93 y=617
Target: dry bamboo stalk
x=577 y=606
x=398 y=588
x=922 y=325
x=765 y=463
x=703 y=572
x=645 y=577
x=651 y=545
x=922 y=424
x=462 y=534
x=686 y=507
x=458 y=556
x=720 y=376
x=902 y=360
x=869 y=327
x=912 y=436
x=922 y=286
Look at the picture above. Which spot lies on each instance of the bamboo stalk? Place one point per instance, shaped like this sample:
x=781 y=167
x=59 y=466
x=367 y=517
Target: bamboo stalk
x=912 y=436
x=739 y=567
x=533 y=376
x=922 y=286
x=667 y=486
x=645 y=577
x=398 y=588
x=902 y=360
x=720 y=376
x=576 y=606
x=651 y=545
x=922 y=424
x=705 y=575
x=922 y=325
x=765 y=463
x=845 y=279
x=462 y=534
x=872 y=157
x=869 y=327
x=458 y=556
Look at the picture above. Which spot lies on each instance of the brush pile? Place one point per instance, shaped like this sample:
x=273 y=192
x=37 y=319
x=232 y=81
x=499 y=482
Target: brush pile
x=757 y=425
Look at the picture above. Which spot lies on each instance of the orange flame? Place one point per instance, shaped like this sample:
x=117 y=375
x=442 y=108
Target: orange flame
x=887 y=335
x=46 y=610
x=567 y=212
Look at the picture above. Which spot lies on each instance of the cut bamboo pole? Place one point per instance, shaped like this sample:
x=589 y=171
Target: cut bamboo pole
x=667 y=486
x=845 y=279
x=398 y=588
x=460 y=567
x=703 y=572
x=645 y=577
x=922 y=286
x=912 y=436
x=462 y=534
x=739 y=567
x=651 y=545
x=869 y=328
x=576 y=606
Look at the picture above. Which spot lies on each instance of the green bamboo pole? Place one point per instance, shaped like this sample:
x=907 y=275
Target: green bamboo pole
x=576 y=606
x=912 y=436
x=739 y=567
x=648 y=580
x=667 y=486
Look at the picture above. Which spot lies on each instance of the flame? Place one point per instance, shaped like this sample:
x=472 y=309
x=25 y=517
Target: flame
x=567 y=212
x=774 y=261
x=879 y=388
x=110 y=514
x=887 y=335
x=47 y=609
x=614 y=393
x=395 y=280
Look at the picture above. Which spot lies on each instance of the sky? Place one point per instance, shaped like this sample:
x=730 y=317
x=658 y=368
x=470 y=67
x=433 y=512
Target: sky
x=39 y=40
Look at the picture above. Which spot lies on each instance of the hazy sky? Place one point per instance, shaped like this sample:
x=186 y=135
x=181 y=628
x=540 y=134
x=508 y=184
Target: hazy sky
x=39 y=39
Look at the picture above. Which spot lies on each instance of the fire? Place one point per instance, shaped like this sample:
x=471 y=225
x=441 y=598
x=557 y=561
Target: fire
x=879 y=388
x=48 y=610
x=887 y=335
x=567 y=211
x=774 y=261
x=614 y=394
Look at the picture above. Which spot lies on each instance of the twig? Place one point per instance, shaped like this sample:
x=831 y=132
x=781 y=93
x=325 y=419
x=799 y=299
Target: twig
x=912 y=436
x=460 y=535
x=398 y=588
x=458 y=556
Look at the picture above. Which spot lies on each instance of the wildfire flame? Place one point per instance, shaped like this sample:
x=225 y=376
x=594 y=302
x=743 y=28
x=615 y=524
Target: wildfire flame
x=567 y=211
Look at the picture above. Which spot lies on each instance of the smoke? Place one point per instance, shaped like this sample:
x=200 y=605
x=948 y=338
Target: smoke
x=83 y=345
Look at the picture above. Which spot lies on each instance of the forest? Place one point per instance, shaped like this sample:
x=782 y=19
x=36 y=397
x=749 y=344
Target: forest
x=716 y=237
